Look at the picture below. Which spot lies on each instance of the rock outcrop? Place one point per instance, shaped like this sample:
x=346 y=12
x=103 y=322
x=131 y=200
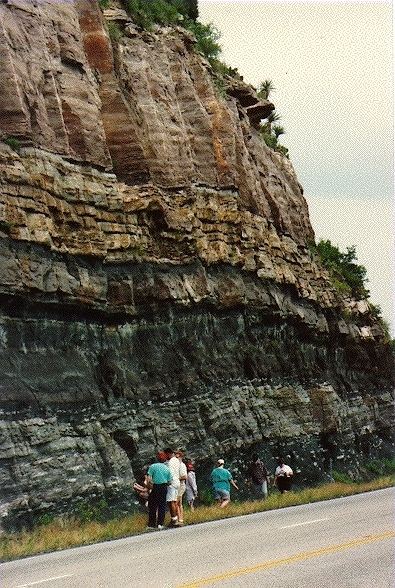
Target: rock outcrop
x=156 y=281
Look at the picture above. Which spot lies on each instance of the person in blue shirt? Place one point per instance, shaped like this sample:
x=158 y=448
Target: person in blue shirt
x=221 y=479
x=158 y=478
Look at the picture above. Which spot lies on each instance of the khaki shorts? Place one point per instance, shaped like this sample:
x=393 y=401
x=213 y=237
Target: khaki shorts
x=181 y=491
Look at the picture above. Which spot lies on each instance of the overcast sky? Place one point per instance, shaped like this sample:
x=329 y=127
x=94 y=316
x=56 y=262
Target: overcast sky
x=331 y=65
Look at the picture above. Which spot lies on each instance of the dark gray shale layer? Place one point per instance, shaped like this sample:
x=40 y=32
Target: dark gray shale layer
x=89 y=394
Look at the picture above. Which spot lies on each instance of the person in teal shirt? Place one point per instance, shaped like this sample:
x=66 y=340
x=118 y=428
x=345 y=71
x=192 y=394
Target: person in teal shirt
x=221 y=479
x=158 y=478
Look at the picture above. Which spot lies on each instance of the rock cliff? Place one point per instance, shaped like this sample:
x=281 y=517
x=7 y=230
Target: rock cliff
x=156 y=282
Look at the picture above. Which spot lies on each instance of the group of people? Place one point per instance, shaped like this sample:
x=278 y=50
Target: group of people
x=166 y=481
x=170 y=477
x=221 y=479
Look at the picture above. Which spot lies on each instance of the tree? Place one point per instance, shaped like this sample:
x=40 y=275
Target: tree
x=264 y=89
x=192 y=8
x=346 y=273
x=278 y=130
x=267 y=126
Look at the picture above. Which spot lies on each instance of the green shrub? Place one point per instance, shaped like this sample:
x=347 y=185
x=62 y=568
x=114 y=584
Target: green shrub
x=220 y=86
x=192 y=10
x=347 y=275
x=341 y=477
x=381 y=467
x=283 y=150
x=206 y=497
x=146 y=13
x=114 y=31
x=87 y=512
x=375 y=310
x=45 y=519
x=207 y=37
x=270 y=140
x=13 y=142
x=104 y=4
x=264 y=89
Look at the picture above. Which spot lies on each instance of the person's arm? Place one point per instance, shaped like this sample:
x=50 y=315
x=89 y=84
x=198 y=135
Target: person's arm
x=231 y=480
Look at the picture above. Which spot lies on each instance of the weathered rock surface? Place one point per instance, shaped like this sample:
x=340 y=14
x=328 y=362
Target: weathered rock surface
x=156 y=282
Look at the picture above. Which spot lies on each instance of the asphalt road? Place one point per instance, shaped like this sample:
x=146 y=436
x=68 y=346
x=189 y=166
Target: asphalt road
x=342 y=543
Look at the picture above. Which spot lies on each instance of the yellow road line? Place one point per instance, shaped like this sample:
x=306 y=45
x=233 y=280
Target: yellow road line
x=287 y=560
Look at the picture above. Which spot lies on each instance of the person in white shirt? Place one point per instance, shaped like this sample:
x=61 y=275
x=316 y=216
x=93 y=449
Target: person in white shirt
x=191 y=486
x=173 y=463
x=283 y=476
x=183 y=477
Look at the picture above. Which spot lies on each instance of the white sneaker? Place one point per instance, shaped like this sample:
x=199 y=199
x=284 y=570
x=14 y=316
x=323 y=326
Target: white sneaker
x=160 y=527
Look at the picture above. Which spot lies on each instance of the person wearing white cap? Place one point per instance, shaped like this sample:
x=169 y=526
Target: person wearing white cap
x=221 y=479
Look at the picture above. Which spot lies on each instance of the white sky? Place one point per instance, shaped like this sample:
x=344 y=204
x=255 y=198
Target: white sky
x=331 y=64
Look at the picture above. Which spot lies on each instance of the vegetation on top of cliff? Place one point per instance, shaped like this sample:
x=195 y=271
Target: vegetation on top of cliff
x=146 y=13
x=270 y=132
x=348 y=276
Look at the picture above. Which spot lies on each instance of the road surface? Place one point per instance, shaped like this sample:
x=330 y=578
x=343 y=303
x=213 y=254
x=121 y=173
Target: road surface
x=342 y=543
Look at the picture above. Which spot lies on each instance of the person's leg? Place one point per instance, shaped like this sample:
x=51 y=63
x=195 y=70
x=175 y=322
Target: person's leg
x=225 y=498
x=172 y=503
x=173 y=511
x=180 y=510
x=280 y=484
x=264 y=489
x=180 y=506
x=162 y=505
x=152 y=507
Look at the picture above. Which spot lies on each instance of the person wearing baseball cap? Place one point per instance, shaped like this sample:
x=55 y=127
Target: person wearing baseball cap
x=221 y=479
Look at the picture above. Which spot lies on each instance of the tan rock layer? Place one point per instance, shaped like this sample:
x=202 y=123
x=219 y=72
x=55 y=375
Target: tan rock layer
x=82 y=211
x=149 y=101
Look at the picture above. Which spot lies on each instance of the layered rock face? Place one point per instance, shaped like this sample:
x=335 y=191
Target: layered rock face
x=156 y=282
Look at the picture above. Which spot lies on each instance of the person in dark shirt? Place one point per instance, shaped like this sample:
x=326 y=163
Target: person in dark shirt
x=258 y=475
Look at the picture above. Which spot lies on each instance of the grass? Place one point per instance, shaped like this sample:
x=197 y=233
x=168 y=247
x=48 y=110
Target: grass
x=64 y=533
